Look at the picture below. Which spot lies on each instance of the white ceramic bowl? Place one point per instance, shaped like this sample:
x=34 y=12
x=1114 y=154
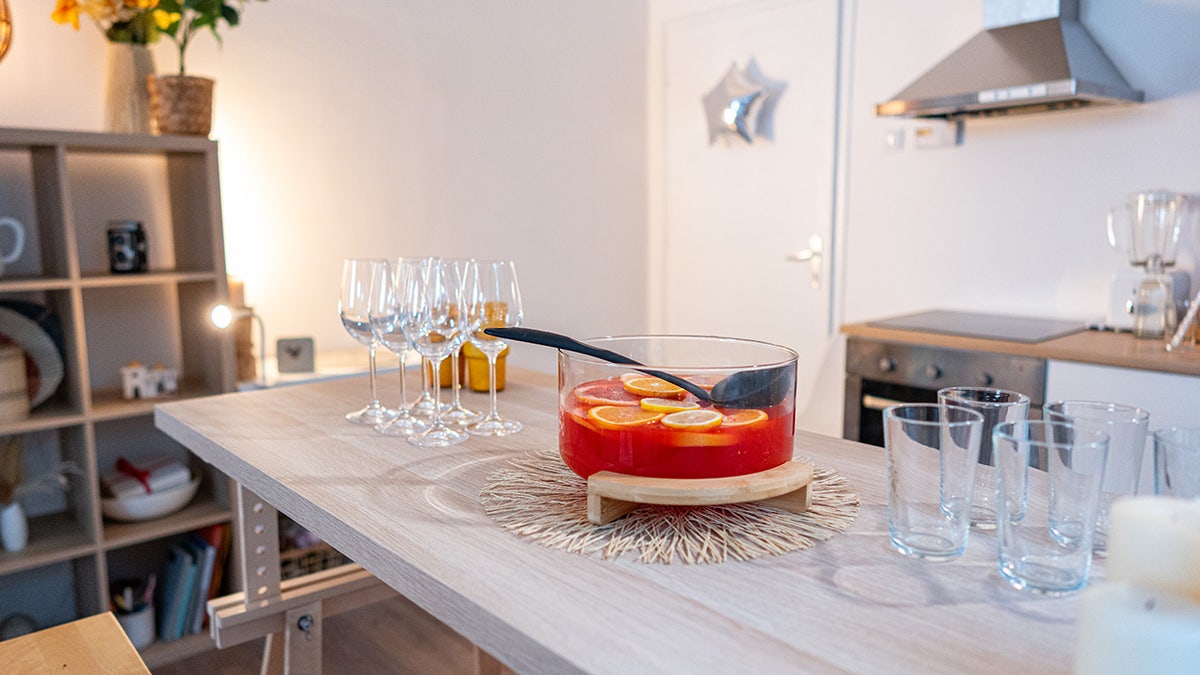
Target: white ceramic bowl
x=154 y=505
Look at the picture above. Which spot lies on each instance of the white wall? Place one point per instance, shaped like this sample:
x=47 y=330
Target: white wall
x=383 y=128
x=519 y=130
x=1012 y=221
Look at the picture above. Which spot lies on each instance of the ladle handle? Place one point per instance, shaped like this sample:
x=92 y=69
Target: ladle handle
x=547 y=339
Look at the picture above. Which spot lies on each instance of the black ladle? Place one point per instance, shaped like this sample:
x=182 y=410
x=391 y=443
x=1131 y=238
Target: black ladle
x=758 y=388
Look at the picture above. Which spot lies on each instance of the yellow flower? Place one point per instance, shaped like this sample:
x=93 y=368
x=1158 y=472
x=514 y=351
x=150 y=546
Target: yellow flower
x=164 y=19
x=66 y=11
x=141 y=4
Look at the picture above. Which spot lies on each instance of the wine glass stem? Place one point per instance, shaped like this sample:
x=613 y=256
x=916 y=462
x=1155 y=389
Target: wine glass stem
x=436 y=419
x=374 y=392
x=403 y=380
x=491 y=357
x=454 y=379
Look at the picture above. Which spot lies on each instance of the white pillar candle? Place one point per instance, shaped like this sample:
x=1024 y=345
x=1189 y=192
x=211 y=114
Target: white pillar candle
x=1129 y=629
x=1154 y=542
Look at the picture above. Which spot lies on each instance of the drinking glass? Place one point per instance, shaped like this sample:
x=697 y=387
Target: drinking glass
x=386 y=311
x=1047 y=518
x=456 y=413
x=433 y=326
x=1126 y=427
x=353 y=307
x=494 y=301
x=996 y=405
x=1177 y=462
x=931 y=450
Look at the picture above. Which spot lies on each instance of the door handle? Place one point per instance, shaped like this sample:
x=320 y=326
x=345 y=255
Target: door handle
x=812 y=255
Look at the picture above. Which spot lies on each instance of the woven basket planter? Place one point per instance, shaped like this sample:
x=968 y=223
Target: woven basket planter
x=181 y=104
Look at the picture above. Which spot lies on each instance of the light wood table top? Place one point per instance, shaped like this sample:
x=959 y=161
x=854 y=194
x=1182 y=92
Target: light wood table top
x=412 y=516
x=95 y=644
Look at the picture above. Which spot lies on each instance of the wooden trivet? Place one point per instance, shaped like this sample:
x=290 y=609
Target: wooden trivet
x=612 y=495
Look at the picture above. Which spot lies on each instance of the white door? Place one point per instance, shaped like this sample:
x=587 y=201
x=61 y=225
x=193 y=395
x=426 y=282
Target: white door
x=737 y=215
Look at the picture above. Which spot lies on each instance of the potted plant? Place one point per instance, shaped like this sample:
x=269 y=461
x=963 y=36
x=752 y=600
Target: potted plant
x=182 y=104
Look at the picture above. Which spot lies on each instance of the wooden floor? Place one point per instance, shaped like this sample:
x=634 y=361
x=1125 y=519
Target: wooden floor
x=392 y=636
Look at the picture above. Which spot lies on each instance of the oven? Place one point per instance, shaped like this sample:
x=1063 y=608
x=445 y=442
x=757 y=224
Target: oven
x=882 y=373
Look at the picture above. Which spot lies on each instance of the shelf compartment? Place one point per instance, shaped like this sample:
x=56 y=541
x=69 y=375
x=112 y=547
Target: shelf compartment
x=138 y=323
x=52 y=594
x=110 y=404
x=31 y=191
x=201 y=512
x=52 y=539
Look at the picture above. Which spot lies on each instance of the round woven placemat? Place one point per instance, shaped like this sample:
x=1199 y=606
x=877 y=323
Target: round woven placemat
x=538 y=497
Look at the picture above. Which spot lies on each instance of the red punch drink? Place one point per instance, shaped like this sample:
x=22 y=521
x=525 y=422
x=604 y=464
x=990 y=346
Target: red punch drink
x=612 y=418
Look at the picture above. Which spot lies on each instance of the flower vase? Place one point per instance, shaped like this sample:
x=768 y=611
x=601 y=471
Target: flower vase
x=14 y=527
x=181 y=104
x=127 y=99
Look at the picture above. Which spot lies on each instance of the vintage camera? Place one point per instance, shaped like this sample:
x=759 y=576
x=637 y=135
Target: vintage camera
x=126 y=247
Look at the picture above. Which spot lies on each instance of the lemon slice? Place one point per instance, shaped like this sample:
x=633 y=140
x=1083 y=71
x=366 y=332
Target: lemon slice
x=743 y=418
x=652 y=386
x=622 y=416
x=693 y=420
x=667 y=405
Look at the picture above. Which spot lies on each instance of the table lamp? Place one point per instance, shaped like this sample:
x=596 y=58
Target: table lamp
x=223 y=316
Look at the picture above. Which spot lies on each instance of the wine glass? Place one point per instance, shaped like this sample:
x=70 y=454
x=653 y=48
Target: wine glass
x=353 y=305
x=457 y=413
x=433 y=326
x=386 y=311
x=493 y=301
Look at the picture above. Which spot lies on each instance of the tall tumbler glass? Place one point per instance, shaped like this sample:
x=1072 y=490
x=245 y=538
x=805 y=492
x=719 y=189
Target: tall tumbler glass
x=931 y=452
x=1177 y=462
x=1047 y=517
x=996 y=406
x=1126 y=427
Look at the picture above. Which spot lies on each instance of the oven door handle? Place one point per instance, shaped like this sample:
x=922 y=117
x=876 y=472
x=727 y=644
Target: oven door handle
x=878 y=402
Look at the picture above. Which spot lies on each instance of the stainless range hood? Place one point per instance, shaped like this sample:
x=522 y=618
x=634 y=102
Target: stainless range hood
x=1033 y=56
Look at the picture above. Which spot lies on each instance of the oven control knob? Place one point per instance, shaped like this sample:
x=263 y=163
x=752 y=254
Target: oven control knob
x=985 y=379
x=933 y=372
x=887 y=364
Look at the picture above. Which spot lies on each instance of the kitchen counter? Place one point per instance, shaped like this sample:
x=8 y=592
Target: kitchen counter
x=1104 y=348
x=412 y=517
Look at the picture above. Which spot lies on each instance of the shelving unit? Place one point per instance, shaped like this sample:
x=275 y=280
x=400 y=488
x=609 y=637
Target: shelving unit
x=65 y=187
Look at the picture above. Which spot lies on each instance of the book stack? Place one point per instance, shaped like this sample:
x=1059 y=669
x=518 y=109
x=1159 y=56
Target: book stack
x=194 y=569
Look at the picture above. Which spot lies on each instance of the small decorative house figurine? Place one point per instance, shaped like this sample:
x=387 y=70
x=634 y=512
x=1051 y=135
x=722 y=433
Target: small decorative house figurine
x=138 y=381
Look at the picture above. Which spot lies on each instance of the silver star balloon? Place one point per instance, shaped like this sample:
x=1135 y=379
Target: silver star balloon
x=733 y=107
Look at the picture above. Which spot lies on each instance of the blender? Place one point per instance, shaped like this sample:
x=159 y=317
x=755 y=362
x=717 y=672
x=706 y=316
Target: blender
x=1146 y=228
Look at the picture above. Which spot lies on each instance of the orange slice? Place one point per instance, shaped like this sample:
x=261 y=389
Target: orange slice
x=604 y=392
x=693 y=420
x=625 y=377
x=667 y=405
x=622 y=416
x=652 y=386
x=743 y=418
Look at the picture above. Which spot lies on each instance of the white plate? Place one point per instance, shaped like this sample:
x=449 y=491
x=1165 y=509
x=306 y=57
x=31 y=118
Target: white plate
x=149 y=506
x=39 y=347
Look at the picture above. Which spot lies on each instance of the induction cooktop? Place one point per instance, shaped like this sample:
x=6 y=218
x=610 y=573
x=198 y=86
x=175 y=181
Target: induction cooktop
x=989 y=326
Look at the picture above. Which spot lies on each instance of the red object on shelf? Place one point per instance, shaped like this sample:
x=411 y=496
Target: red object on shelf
x=126 y=467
